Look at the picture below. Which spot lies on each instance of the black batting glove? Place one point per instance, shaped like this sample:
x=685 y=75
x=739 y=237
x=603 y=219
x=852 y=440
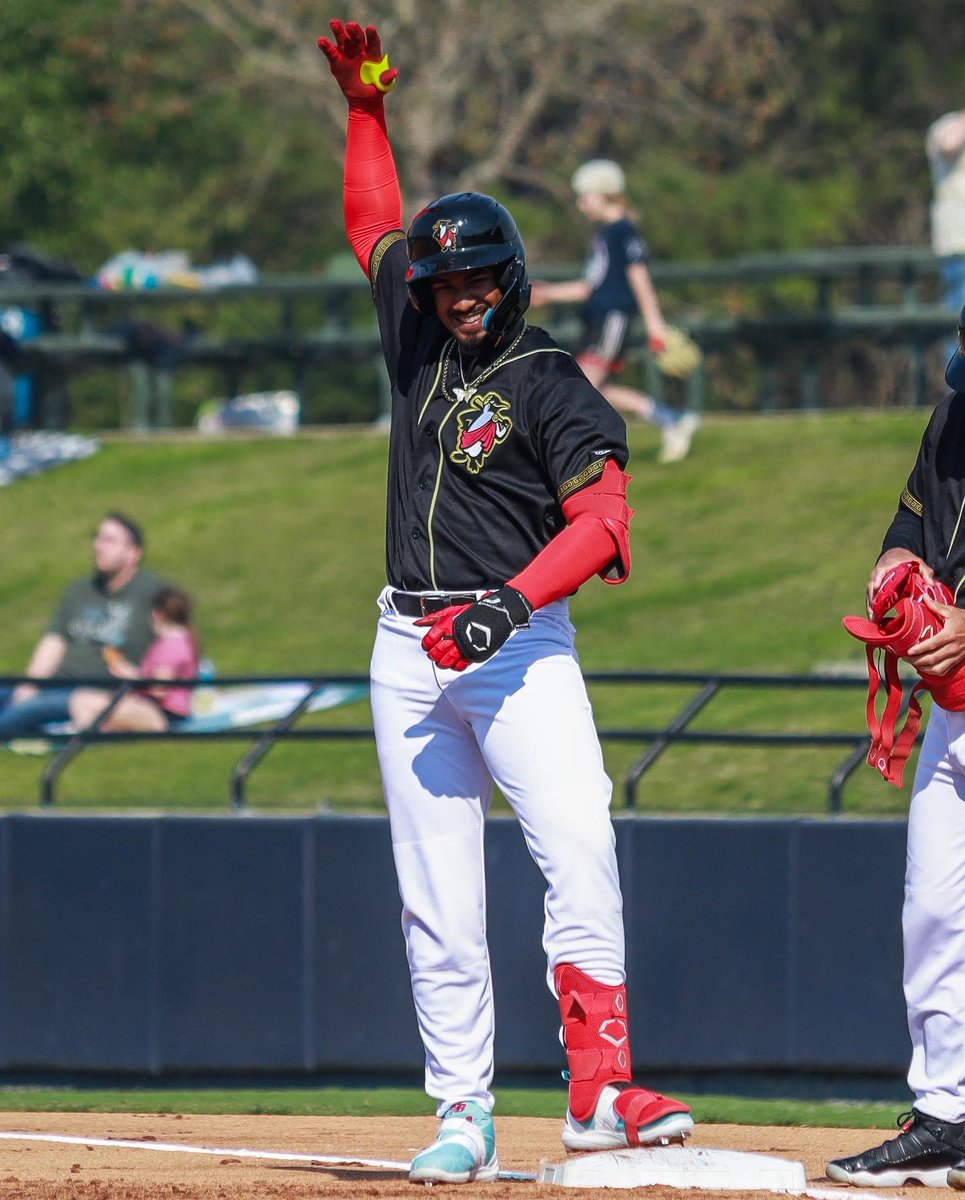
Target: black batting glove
x=483 y=627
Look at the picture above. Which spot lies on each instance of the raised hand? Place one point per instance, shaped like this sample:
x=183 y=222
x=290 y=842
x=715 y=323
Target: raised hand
x=356 y=60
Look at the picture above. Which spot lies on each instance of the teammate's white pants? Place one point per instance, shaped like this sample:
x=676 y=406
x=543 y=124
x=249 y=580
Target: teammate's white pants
x=522 y=718
x=934 y=920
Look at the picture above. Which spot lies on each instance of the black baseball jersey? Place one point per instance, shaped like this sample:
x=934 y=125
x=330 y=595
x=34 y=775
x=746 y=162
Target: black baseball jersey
x=930 y=520
x=483 y=450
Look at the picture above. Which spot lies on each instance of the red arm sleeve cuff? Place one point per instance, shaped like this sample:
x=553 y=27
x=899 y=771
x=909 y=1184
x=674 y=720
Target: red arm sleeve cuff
x=596 y=541
x=371 y=194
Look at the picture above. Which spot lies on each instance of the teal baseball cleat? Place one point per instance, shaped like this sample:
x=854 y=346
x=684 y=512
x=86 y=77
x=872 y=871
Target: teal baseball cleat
x=464 y=1150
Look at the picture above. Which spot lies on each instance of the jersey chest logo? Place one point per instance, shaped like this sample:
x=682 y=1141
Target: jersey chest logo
x=483 y=425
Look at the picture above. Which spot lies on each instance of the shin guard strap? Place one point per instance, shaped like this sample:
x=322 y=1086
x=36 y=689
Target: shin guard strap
x=640 y=1108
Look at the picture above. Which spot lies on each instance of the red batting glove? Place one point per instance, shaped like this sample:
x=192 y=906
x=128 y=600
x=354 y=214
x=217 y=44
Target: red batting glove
x=356 y=60
x=439 y=643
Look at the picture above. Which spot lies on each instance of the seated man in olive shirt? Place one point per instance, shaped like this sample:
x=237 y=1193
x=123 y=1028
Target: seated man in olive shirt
x=110 y=608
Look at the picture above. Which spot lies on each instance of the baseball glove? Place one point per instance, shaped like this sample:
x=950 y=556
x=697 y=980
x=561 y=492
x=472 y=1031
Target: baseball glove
x=681 y=355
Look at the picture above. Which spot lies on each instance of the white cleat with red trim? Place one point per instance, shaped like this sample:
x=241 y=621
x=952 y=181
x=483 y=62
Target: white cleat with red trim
x=626 y=1115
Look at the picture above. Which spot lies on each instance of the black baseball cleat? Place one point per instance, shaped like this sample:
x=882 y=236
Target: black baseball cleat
x=924 y=1152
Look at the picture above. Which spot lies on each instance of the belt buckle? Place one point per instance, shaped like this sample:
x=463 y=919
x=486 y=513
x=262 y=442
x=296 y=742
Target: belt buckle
x=425 y=599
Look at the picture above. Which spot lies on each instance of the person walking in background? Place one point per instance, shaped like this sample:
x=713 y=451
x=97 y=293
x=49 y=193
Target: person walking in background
x=174 y=654
x=945 y=147
x=930 y=1149
x=111 y=608
x=506 y=493
x=616 y=285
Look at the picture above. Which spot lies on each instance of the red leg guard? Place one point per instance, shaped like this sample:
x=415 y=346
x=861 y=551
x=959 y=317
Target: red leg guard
x=595 y=1034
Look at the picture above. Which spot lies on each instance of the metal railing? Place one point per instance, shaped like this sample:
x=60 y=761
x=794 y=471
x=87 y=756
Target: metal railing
x=887 y=295
x=705 y=686
x=709 y=685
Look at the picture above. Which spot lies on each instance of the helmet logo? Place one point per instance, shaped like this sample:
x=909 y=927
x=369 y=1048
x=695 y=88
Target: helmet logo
x=483 y=425
x=446 y=233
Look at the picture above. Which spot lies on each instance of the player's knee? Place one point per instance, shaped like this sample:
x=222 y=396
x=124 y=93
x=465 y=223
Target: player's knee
x=580 y=849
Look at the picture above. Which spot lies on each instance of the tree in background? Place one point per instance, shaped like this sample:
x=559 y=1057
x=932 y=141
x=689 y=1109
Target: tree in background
x=205 y=125
x=550 y=86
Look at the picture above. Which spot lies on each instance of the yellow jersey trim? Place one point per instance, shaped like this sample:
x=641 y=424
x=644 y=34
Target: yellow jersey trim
x=584 y=477
x=432 y=391
x=378 y=253
x=435 y=497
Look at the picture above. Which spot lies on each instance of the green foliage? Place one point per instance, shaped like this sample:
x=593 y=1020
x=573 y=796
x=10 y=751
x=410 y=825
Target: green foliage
x=43 y=130
x=746 y=556
x=757 y=207
x=743 y=127
x=122 y=127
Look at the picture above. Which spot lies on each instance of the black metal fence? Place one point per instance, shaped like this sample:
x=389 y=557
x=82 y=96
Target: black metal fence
x=653 y=741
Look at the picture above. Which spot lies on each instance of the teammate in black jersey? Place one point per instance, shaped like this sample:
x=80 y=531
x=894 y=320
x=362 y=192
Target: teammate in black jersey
x=506 y=493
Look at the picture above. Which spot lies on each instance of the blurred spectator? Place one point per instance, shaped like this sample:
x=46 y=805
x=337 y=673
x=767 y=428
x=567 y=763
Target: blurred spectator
x=38 y=399
x=174 y=654
x=9 y=354
x=616 y=285
x=110 y=608
x=945 y=145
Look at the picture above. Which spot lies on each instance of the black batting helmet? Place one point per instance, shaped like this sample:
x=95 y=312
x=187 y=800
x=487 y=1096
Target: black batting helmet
x=462 y=232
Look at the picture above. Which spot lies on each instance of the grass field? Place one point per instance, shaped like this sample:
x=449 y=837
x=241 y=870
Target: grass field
x=746 y=556
x=406 y=1101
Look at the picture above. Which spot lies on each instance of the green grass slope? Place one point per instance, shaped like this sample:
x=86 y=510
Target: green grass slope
x=746 y=556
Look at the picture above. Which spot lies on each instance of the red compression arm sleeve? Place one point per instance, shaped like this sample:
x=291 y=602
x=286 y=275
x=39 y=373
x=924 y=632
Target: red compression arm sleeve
x=576 y=554
x=371 y=194
x=597 y=534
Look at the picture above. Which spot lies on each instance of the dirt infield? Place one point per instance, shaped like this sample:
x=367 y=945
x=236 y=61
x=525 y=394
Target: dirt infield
x=47 y=1171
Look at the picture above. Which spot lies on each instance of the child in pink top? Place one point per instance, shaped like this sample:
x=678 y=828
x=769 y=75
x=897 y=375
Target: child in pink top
x=174 y=654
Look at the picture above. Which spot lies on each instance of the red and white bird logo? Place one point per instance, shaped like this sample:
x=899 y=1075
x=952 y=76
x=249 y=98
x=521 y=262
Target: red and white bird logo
x=446 y=233
x=482 y=426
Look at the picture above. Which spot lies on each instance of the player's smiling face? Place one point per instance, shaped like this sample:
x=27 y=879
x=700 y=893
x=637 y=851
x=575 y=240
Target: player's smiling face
x=462 y=299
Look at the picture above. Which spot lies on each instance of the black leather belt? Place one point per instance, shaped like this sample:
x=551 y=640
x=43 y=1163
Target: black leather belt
x=412 y=604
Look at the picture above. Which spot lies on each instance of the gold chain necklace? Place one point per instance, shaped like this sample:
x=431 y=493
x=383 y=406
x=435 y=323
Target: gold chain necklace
x=468 y=390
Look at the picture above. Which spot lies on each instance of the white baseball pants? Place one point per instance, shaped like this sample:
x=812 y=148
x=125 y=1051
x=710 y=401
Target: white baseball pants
x=933 y=920
x=524 y=720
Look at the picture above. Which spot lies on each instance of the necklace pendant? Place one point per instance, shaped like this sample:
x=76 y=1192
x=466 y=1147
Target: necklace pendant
x=463 y=394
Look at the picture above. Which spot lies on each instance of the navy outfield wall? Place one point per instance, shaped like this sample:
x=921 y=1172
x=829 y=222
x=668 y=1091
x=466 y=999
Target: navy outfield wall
x=164 y=945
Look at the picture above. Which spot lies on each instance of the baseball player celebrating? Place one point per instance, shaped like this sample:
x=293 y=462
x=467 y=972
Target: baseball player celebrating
x=927 y=531
x=506 y=492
